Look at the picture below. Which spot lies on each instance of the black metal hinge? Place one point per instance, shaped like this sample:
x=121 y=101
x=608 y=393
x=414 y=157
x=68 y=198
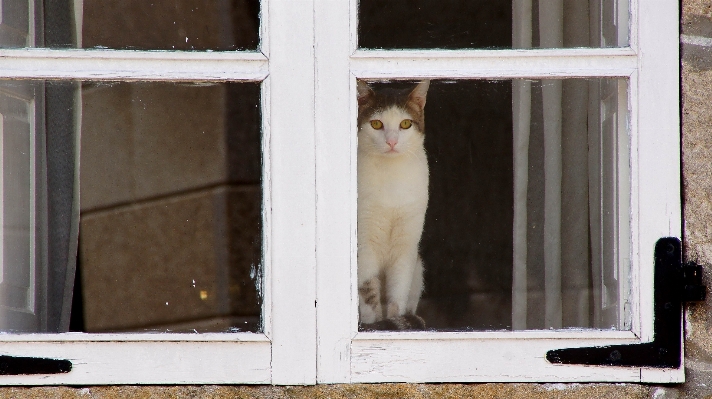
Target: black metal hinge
x=14 y=365
x=675 y=283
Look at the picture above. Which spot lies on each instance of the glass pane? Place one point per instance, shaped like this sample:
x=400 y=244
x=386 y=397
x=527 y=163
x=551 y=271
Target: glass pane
x=19 y=282
x=170 y=231
x=498 y=24
x=170 y=207
x=512 y=206
x=131 y=24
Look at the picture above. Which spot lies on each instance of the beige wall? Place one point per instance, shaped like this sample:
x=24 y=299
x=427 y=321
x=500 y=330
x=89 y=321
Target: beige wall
x=170 y=207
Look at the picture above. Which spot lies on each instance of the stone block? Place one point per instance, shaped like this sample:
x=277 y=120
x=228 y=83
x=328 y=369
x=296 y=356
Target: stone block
x=106 y=146
x=171 y=25
x=179 y=137
x=148 y=140
x=348 y=391
x=175 y=260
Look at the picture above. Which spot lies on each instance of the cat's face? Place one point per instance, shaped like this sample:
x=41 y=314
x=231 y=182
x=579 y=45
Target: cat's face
x=391 y=122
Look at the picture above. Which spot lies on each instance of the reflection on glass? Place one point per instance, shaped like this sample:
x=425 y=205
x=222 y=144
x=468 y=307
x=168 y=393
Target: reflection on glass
x=170 y=209
x=18 y=275
x=496 y=24
x=526 y=224
x=131 y=24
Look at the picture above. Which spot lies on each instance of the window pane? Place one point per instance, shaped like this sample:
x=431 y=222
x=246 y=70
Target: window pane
x=170 y=207
x=521 y=190
x=20 y=282
x=169 y=220
x=131 y=24
x=496 y=24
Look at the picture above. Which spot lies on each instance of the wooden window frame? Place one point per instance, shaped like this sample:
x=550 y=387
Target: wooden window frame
x=650 y=65
x=308 y=64
x=284 y=352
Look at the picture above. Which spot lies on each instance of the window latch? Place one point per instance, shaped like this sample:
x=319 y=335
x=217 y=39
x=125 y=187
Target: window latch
x=675 y=283
x=14 y=365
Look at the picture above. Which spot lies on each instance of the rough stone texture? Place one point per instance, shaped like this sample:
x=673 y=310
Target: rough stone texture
x=697 y=181
x=146 y=140
x=170 y=206
x=142 y=140
x=172 y=260
x=376 y=391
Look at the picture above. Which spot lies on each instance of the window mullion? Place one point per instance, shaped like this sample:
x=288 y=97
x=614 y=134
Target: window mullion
x=336 y=188
x=127 y=64
x=494 y=63
x=293 y=197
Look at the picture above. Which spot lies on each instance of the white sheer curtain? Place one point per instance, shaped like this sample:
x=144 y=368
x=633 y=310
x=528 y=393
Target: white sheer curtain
x=565 y=145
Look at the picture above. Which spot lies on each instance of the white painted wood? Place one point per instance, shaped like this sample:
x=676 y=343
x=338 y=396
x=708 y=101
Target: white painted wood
x=633 y=22
x=134 y=337
x=293 y=194
x=474 y=360
x=132 y=65
x=635 y=270
x=623 y=207
x=663 y=376
x=264 y=24
x=534 y=63
x=489 y=357
x=580 y=334
x=335 y=146
x=2 y=199
x=141 y=362
x=263 y=284
x=658 y=143
x=353 y=25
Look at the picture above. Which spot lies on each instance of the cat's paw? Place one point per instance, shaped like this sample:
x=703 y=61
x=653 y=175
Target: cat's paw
x=409 y=322
x=393 y=310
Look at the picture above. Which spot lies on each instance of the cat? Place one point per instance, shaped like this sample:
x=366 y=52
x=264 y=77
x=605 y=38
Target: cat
x=392 y=199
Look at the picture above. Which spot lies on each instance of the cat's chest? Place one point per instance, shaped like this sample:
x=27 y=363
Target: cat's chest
x=393 y=183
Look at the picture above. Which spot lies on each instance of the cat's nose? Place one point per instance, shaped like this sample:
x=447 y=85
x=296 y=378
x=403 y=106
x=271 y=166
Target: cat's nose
x=392 y=142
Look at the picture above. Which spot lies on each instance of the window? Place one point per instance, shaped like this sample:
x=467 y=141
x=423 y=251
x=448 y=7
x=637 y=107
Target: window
x=610 y=52
x=127 y=99
x=85 y=88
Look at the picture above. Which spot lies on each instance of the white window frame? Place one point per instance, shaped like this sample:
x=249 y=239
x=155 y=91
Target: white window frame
x=284 y=352
x=344 y=355
x=308 y=63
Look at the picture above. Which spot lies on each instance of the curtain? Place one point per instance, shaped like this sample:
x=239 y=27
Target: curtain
x=62 y=111
x=566 y=146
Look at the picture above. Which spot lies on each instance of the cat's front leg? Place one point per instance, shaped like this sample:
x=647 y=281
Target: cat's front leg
x=369 y=288
x=416 y=287
x=399 y=282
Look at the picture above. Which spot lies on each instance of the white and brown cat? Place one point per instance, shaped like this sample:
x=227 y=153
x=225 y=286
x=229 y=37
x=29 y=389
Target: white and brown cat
x=392 y=200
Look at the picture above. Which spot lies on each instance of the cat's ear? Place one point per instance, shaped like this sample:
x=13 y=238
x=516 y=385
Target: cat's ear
x=365 y=92
x=418 y=94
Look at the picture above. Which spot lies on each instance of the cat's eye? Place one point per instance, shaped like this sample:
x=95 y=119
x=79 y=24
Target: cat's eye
x=479 y=125
x=378 y=125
